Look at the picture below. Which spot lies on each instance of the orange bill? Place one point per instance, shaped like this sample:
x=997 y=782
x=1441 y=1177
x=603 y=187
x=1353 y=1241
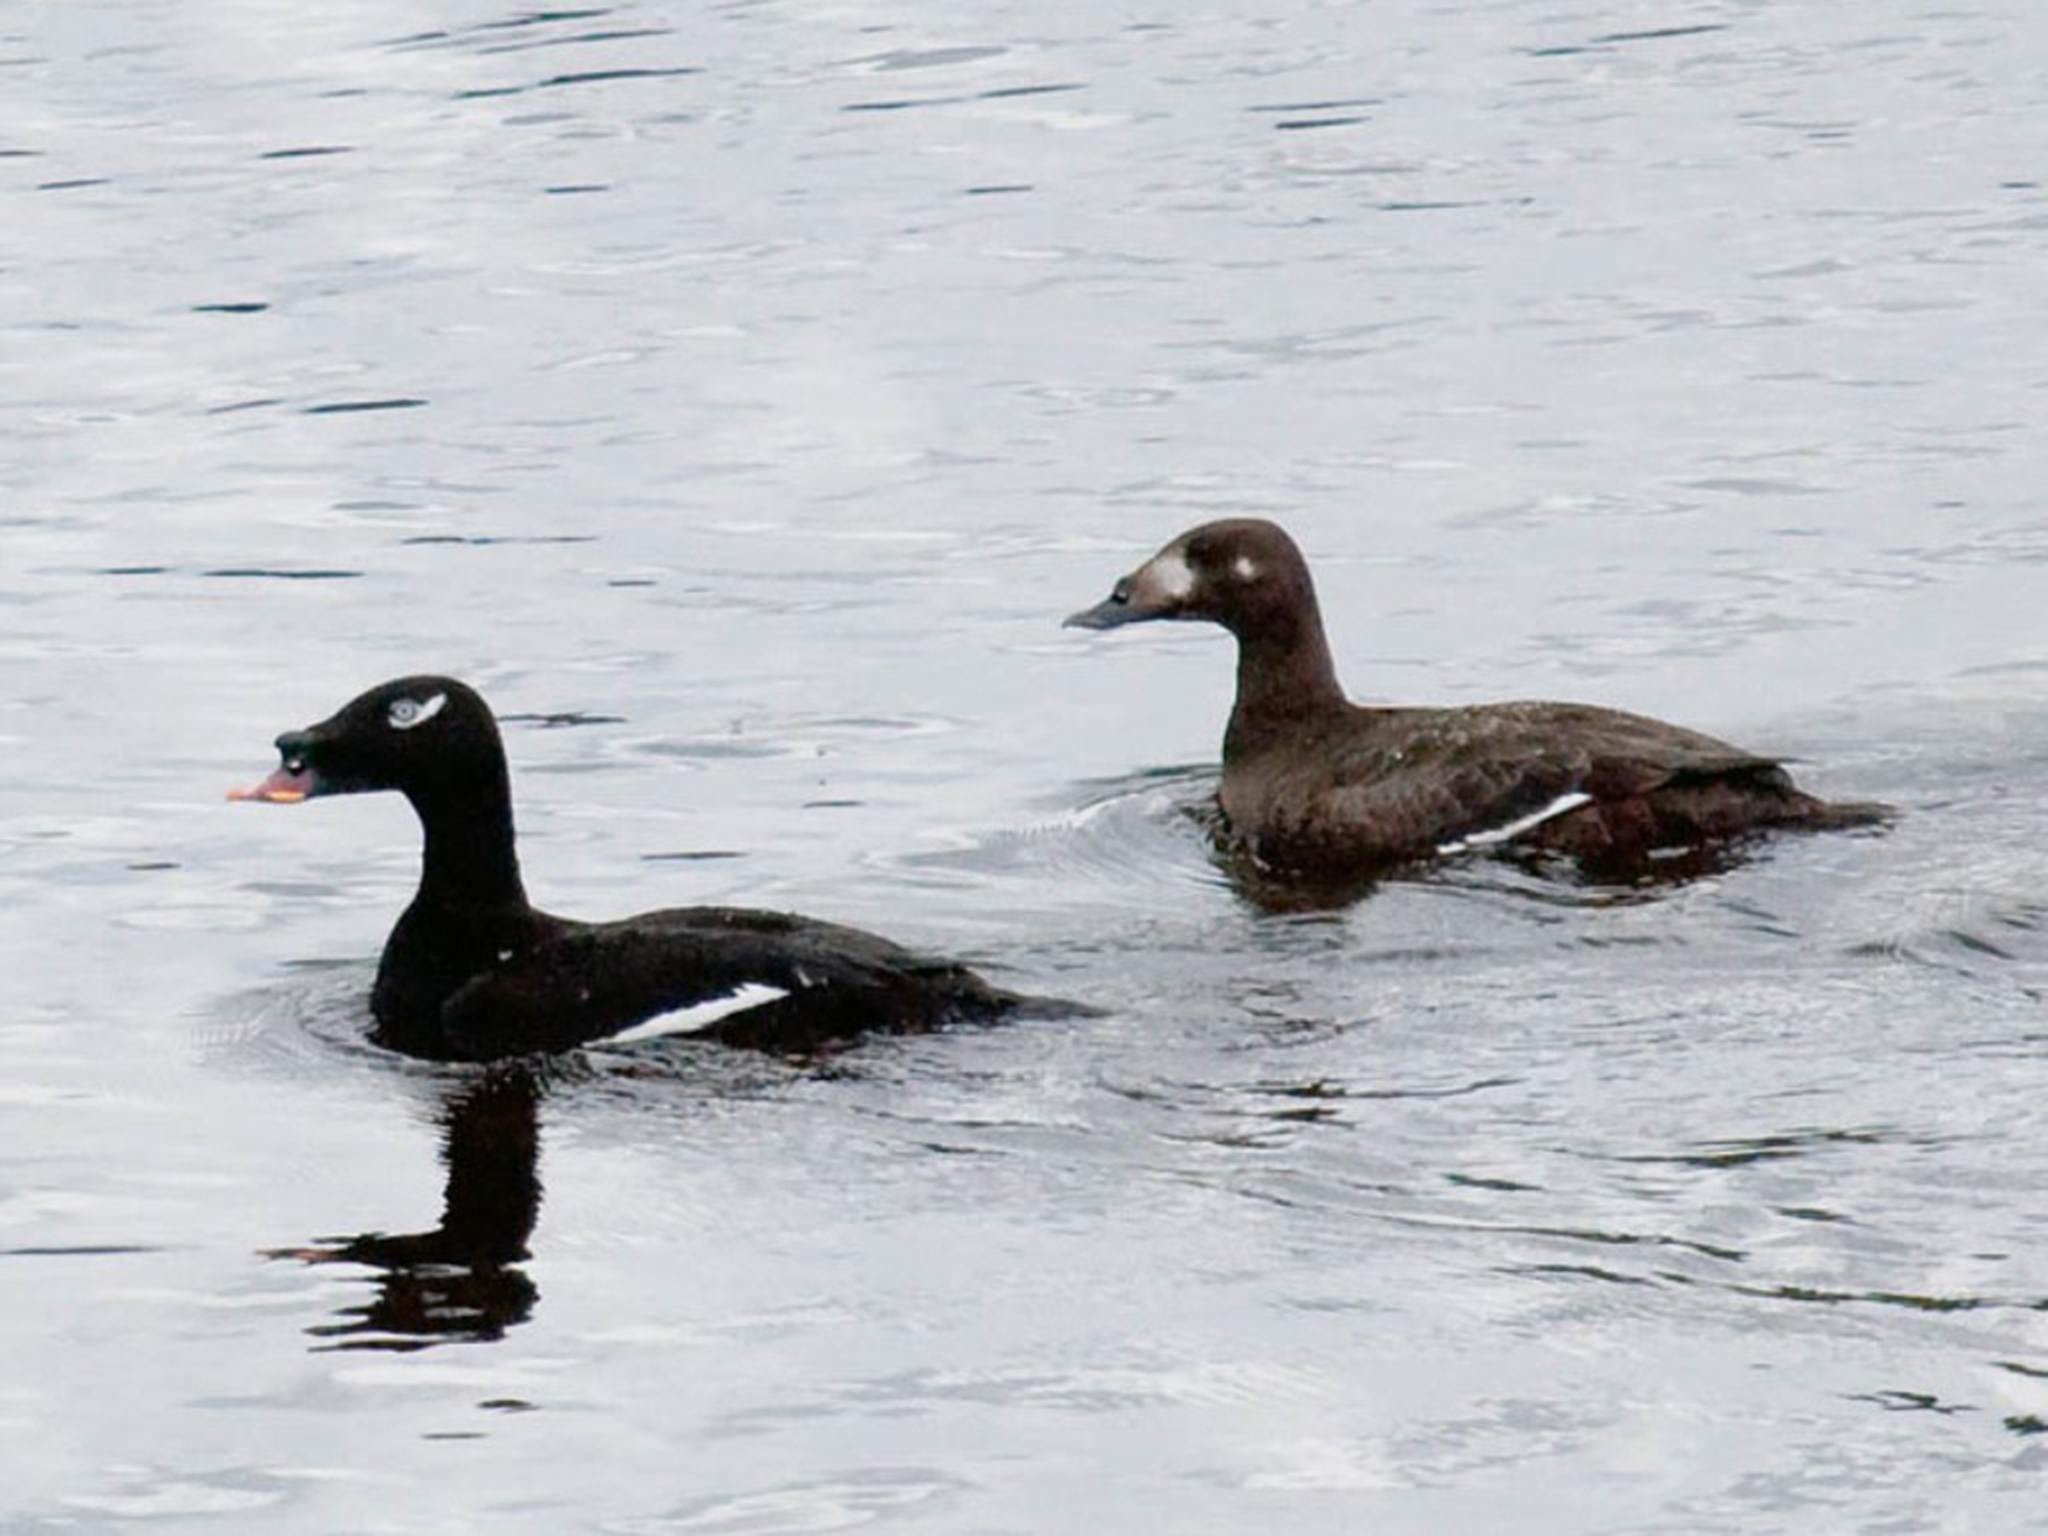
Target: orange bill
x=284 y=787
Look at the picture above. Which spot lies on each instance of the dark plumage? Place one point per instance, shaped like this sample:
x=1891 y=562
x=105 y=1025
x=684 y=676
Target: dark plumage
x=474 y=972
x=1317 y=786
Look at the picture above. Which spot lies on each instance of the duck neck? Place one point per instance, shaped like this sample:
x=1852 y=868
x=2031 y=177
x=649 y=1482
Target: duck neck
x=1284 y=675
x=470 y=862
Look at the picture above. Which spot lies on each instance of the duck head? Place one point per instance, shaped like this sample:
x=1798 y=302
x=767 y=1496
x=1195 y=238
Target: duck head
x=1242 y=573
x=424 y=736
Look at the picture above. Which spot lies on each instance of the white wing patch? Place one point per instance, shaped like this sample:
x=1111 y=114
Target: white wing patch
x=1487 y=839
x=407 y=713
x=684 y=1021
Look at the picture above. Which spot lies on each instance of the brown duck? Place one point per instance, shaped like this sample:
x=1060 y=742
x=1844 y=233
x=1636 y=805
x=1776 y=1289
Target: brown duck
x=1316 y=786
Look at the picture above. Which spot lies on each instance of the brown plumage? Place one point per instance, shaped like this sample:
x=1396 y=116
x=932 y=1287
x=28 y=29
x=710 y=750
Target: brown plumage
x=1317 y=786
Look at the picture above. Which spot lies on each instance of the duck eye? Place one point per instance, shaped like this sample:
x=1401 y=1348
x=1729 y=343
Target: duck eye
x=296 y=763
x=404 y=714
x=1121 y=592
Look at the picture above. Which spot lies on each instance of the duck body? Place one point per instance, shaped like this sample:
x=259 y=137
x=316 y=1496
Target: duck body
x=1316 y=786
x=474 y=972
x=1365 y=788
x=451 y=986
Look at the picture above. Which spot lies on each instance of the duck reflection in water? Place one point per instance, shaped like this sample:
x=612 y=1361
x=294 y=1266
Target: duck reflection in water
x=461 y=1282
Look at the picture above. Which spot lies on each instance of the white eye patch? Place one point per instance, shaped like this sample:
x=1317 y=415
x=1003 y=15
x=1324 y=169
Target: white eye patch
x=1245 y=568
x=407 y=713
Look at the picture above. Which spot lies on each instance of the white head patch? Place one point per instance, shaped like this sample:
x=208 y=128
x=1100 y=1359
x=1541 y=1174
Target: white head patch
x=1171 y=575
x=1245 y=568
x=407 y=713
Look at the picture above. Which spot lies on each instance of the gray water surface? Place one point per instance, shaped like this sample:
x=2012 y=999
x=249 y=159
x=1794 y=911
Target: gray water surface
x=738 y=395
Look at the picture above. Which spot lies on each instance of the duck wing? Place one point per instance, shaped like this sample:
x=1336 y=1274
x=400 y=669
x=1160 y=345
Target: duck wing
x=772 y=980
x=1398 y=784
